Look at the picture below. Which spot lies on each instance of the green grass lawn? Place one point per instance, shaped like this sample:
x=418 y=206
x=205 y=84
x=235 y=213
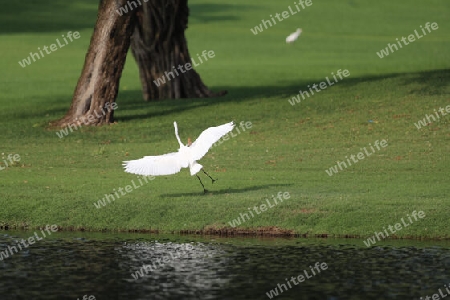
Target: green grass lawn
x=287 y=149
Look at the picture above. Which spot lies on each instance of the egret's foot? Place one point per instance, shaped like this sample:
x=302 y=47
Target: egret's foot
x=212 y=179
x=205 y=191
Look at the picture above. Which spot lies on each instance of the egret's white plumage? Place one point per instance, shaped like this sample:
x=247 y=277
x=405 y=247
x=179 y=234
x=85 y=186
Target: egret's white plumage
x=293 y=36
x=186 y=156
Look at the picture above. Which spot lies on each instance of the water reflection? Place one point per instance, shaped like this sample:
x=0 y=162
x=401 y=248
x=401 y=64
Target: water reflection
x=67 y=266
x=186 y=269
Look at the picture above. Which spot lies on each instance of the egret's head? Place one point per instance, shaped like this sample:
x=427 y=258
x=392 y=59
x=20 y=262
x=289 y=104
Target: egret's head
x=189 y=143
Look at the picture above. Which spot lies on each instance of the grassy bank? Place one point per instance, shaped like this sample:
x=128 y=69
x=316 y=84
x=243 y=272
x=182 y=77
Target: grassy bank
x=287 y=149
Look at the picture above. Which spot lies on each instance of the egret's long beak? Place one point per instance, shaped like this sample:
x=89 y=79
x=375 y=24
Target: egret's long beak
x=189 y=143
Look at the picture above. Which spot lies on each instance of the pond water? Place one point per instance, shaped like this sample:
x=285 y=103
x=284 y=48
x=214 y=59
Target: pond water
x=137 y=266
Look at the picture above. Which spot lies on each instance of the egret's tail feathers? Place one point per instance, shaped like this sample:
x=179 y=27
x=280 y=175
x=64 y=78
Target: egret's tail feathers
x=195 y=168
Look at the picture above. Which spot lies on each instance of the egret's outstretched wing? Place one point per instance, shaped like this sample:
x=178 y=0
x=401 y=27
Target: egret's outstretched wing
x=207 y=138
x=166 y=164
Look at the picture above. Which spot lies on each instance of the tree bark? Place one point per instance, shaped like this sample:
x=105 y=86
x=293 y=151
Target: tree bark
x=155 y=30
x=159 y=46
x=95 y=94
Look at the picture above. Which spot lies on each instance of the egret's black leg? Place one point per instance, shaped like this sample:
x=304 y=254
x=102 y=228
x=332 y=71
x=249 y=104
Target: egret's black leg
x=213 y=180
x=204 y=190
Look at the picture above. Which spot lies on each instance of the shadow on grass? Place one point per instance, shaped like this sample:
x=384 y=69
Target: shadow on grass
x=207 y=13
x=47 y=16
x=432 y=82
x=60 y=15
x=133 y=107
x=225 y=191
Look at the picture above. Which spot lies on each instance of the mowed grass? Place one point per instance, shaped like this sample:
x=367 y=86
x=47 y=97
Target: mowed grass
x=288 y=148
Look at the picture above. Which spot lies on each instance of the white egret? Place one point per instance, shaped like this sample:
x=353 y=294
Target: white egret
x=293 y=36
x=187 y=156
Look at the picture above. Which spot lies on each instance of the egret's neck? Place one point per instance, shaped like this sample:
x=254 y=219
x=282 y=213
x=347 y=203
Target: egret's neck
x=176 y=134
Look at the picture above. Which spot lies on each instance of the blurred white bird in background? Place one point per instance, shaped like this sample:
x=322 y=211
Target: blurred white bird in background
x=293 y=36
x=186 y=156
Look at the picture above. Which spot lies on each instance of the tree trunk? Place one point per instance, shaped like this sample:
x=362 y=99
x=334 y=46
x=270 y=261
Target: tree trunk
x=94 y=97
x=159 y=46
